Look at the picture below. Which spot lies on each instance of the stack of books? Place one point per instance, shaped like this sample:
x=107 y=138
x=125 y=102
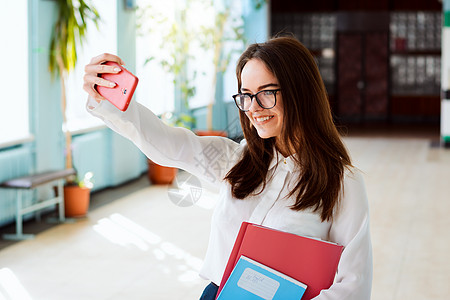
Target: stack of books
x=271 y=264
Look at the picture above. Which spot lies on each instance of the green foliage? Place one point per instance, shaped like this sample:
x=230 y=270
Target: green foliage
x=87 y=181
x=259 y=3
x=174 y=56
x=180 y=36
x=177 y=44
x=69 y=33
x=226 y=30
x=179 y=120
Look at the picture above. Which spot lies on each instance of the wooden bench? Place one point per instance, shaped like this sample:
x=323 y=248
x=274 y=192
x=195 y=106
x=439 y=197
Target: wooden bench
x=31 y=182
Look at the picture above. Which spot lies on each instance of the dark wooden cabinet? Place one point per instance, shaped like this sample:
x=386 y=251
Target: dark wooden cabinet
x=354 y=5
x=360 y=5
x=350 y=76
x=418 y=108
x=362 y=77
x=376 y=69
x=292 y=6
x=385 y=55
x=415 y=5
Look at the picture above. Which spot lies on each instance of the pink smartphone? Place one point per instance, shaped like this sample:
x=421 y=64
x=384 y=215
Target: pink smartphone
x=120 y=95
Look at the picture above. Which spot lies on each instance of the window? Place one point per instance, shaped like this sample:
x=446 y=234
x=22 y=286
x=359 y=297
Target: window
x=198 y=15
x=416 y=46
x=14 y=114
x=205 y=15
x=103 y=39
x=156 y=90
x=155 y=19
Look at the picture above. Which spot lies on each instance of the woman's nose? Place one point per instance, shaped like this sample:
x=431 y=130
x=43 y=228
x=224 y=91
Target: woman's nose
x=254 y=106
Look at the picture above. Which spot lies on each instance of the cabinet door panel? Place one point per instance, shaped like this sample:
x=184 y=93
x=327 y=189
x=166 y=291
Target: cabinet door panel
x=376 y=75
x=349 y=75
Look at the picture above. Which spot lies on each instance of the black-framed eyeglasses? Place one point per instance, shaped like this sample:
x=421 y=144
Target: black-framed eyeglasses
x=266 y=99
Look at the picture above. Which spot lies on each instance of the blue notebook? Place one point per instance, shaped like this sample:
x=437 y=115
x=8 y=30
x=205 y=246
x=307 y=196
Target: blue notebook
x=252 y=280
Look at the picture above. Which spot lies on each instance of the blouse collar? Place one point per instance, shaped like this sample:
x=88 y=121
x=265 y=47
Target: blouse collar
x=287 y=163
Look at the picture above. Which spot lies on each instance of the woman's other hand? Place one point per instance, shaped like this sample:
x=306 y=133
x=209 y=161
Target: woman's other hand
x=96 y=67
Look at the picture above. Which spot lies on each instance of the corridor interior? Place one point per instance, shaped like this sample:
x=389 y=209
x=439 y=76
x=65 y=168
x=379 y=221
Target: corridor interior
x=136 y=244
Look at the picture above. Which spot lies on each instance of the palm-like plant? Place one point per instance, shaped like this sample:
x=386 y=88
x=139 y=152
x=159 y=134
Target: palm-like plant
x=69 y=34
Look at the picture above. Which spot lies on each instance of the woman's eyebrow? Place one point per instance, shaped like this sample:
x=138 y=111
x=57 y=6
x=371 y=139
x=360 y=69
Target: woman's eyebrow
x=262 y=86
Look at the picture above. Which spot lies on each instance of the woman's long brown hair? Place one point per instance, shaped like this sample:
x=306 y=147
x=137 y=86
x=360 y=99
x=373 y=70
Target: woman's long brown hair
x=308 y=131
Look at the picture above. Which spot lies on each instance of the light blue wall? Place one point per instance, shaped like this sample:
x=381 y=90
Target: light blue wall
x=126 y=35
x=45 y=103
x=256 y=21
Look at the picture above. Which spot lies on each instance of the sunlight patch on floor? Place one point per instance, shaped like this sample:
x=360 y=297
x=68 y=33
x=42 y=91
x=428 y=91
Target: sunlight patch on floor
x=10 y=286
x=122 y=231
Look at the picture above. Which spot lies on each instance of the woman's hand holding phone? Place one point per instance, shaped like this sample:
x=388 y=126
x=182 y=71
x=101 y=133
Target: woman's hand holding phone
x=106 y=79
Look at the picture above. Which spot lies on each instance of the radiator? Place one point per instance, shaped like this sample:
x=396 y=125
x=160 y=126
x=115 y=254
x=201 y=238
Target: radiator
x=14 y=162
x=89 y=155
x=111 y=158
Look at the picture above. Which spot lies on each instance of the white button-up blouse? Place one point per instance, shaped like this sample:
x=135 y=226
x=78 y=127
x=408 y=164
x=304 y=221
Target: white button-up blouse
x=210 y=158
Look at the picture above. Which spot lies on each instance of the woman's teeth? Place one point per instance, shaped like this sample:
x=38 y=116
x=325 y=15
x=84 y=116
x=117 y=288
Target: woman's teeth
x=262 y=119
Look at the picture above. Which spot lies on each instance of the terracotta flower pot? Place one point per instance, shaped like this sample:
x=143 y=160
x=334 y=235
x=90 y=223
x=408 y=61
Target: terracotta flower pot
x=76 y=201
x=158 y=174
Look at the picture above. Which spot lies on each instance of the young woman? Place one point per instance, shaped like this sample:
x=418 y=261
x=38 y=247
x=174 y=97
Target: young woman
x=291 y=172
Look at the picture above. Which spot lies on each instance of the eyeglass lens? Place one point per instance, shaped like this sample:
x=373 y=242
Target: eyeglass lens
x=266 y=99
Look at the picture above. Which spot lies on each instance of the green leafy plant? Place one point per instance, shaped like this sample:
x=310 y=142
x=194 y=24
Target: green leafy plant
x=177 y=43
x=259 y=3
x=178 y=40
x=176 y=47
x=68 y=35
x=87 y=181
x=178 y=120
x=227 y=30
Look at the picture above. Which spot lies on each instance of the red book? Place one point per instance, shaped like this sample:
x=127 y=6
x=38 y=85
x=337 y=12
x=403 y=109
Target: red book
x=311 y=261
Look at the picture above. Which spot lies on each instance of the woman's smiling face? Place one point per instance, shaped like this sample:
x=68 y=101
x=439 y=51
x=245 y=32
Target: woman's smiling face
x=256 y=77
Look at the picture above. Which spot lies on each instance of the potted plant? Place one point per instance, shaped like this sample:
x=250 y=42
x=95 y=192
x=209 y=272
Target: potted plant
x=177 y=42
x=176 y=45
x=77 y=196
x=226 y=29
x=68 y=34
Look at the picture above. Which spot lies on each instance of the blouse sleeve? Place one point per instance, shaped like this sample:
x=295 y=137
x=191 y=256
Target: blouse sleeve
x=350 y=228
x=209 y=158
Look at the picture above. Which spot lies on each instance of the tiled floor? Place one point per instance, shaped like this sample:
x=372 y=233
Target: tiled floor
x=142 y=246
